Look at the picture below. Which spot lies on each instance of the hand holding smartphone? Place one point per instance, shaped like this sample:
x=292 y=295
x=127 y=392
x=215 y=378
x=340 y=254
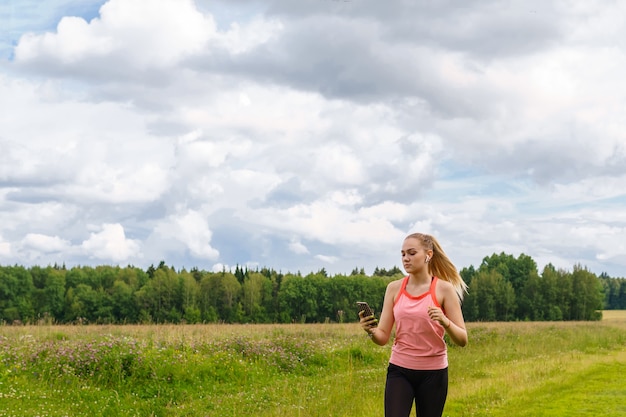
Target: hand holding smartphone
x=367 y=312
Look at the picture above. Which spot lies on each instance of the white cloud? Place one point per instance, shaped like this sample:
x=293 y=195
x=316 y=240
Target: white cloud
x=243 y=38
x=127 y=32
x=43 y=243
x=103 y=154
x=40 y=218
x=346 y=198
x=296 y=246
x=191 y=229
x=110 y=244
x=103 y=182
x=327 y=259
x=5 y=248
x=339 y=164
x=41 y=249
x=313 y=128
x=326 y=222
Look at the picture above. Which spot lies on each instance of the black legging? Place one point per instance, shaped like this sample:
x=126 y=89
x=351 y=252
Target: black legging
x=429 y=389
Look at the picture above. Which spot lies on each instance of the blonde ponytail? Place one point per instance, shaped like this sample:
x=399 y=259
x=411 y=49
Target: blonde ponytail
x=440 y=265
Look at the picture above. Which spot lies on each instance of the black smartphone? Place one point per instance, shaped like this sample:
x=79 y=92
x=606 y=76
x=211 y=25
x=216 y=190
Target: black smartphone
x=363 y=306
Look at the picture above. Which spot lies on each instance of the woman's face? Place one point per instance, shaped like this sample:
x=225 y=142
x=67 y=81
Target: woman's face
x=414 y=255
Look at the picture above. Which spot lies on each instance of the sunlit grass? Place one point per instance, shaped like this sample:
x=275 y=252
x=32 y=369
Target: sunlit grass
x=508 y=369
x=614 y=315
x=506 y=364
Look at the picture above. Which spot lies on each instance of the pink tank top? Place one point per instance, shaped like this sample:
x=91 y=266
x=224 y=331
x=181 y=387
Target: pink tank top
x=419 y=340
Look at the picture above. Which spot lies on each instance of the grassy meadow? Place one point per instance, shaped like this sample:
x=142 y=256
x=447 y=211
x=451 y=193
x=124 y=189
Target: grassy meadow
x=508 y=369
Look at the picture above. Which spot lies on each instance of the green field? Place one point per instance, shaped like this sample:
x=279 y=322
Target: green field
x=508 y=369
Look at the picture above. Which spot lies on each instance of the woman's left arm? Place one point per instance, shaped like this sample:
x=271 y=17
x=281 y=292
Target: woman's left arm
x=453 y=320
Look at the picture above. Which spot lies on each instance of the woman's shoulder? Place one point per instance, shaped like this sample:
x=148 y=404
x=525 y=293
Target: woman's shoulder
x=445 y=286
x=443 y=283
x=395 y=284
x=393 y=288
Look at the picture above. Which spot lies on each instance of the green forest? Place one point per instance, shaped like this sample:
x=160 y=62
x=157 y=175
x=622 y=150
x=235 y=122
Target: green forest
x=501 y=288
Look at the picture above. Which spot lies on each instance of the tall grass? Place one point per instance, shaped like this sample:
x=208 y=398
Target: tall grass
x=299 y=370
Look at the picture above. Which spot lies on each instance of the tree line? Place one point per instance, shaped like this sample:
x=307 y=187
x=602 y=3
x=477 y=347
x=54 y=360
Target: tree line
x=505 y=288
x=502 y=288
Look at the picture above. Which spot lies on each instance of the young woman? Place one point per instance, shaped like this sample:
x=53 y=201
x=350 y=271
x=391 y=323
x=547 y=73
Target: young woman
x=424 y=306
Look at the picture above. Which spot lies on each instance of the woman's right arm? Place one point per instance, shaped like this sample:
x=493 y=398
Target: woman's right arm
x=381 y=334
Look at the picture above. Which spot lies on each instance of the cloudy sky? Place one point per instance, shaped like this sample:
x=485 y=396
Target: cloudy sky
x=310 y=134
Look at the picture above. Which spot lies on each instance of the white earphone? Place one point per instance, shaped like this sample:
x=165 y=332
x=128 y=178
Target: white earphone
x=427 y=258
